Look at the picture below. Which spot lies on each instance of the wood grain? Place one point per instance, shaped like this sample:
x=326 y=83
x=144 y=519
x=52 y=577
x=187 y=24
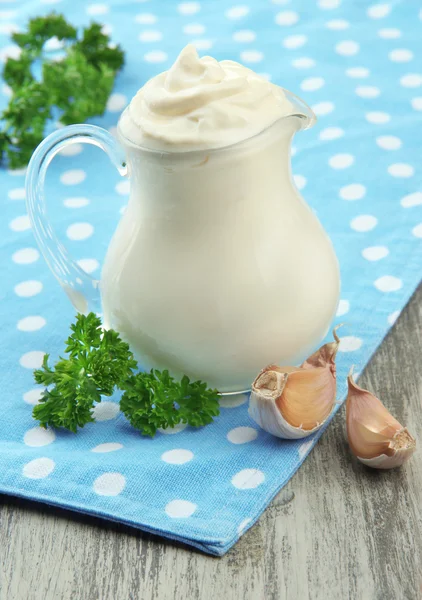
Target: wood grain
x=337 y=531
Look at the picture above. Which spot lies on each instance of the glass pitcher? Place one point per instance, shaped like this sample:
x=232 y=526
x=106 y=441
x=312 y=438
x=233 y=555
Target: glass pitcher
x=217 y=267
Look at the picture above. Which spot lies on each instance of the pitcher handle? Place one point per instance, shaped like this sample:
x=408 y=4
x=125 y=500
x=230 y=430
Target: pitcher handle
x=82 y=289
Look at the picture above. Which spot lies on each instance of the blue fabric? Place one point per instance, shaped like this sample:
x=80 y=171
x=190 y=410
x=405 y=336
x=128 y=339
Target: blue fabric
x=359 y=66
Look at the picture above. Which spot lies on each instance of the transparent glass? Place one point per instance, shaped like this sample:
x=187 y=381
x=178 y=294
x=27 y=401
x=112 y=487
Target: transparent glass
x=217 y=267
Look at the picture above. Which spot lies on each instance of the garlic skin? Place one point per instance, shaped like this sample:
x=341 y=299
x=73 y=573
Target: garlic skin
x=375 y=437
x=294 y=402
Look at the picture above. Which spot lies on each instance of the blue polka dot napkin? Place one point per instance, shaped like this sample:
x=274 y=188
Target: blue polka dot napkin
x=360 y=67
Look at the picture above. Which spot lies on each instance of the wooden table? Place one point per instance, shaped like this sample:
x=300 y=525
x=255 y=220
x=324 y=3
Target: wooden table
x=337 y=531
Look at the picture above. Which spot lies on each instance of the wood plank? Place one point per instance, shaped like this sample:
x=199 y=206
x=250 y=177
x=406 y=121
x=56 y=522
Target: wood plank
x=338 y=530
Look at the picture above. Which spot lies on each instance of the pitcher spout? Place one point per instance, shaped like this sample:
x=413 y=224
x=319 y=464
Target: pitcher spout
x=307 y=117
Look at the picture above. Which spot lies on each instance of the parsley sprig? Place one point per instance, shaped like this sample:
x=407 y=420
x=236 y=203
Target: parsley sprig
x=97 y=363
x=78 y=85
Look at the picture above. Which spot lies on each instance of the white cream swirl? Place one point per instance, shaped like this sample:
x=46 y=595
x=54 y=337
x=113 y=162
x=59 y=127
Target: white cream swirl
x=201 y=103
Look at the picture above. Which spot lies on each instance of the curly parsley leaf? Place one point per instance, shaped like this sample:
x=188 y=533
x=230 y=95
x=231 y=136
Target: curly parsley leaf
x=97 y=361
x=79 y=84
x=155 y=400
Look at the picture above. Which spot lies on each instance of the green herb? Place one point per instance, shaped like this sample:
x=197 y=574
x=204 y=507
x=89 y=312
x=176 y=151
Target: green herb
x=79 y=84
x=155 y=400
x=98 y=362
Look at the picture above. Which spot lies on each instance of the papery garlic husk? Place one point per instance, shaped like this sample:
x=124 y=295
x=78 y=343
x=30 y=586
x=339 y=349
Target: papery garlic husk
x=294 y=402
x=375 y=437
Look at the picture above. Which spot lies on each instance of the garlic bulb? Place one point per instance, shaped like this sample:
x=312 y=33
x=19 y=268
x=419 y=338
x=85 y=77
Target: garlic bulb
x=375 y=437
x=293 y=402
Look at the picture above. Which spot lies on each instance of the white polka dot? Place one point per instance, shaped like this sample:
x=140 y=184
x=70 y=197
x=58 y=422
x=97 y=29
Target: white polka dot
x=338 y=24
x=287 y=18
x=300 y=181
x=20 y=223
x=109 y=484
x=312 y=84
x=25 y=256
x=410 y=200
x=97 y=9
x=367 y=91
x=79 y=231
x=412 y=80
x=189 y=8
x=33 y=397
x=416 y=103
x=251 y=56
x=155 y=56
x=38 y=436
x=88 y=264
x=17 y=194
x=11 y=51
x=242 y=435
x=29 y=288
x=243 y=526
x=401 y=170
x=73 y=177
x=32 y=360
x=292 y=42
x=393 y=317
x=323 y=108
x=107 y=29
x=245 y=35
x=180 y=509
x=303 y=63
x=248 y=479
x=353 y=191
x=146 y=19
x=31 y=323
x=341 y=161
x=350 y=343
x=343 y=308
x=400 y=55
x=150 y=36
x=173 y=430
x=105 y=411
x=202 y=44
x=233 y=401
x=363 y=223
x=377 y=117
x=388 y=283
x=7 y=14
x=194 y=29
x=347 y=48
x=116 y=102
x=303 y=450
x=374 y=253
x=328 y=4
x=357 y=72
x=389 y=34
x=388 y=142
x=417 y=231
x=331 y=133
x=123 y=187
x=107 y=447
x=378 y=11
x=71 y=150
x=77 y=202
x=177 y=457
x=38 y=468
x=237 y=12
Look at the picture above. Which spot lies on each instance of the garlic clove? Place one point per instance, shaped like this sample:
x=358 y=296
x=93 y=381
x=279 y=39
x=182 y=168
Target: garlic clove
x=375 y=437
x=294 y=402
